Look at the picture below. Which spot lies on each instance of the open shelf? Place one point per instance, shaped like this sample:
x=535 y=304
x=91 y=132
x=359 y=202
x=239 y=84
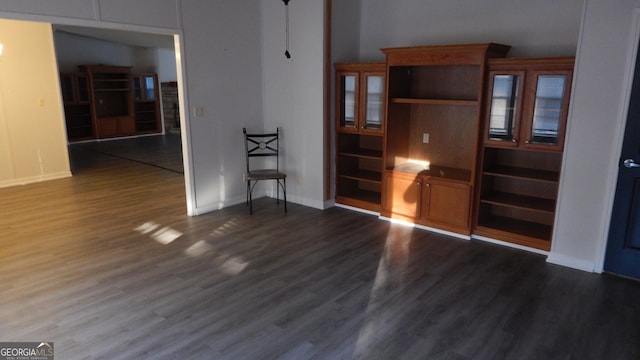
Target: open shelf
x=452 y=102
x=434 y=171
x=362 y=175
x=523 y=173
x=362 y=153
x=520 y=201
x=519 y=227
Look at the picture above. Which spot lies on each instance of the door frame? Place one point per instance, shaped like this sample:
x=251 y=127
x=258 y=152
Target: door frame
x=183 y=98
x=632 y=53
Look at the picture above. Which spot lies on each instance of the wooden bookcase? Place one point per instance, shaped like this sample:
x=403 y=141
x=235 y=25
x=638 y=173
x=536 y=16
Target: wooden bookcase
x=108 y=101
x=359 y=134
x=146 y=103
x=111 y=100
x=524 y=124
x=434 y=101
x=77 y=107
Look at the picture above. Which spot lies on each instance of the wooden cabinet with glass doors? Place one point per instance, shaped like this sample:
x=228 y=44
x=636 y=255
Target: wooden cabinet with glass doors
x=359 y=134
x=525 y=122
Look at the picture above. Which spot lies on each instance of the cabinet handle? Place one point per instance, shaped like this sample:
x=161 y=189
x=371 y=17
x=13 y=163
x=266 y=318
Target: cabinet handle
x=528 y=142
x=418 y=183
x=428 y=185
x=514 y=140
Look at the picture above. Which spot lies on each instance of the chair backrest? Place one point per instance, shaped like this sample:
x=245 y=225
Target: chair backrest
x=261 y=145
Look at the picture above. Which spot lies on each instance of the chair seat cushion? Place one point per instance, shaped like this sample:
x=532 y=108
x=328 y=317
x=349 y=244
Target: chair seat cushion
x=265 y=174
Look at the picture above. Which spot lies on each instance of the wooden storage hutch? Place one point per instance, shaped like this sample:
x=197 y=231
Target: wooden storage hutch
x=526 y=113
x=447 y=152
x=108 y=101
x=359 y=134
x=432 y=135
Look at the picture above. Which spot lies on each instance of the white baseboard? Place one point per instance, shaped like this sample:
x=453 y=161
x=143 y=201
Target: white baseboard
x=35 y=179
x=427 y=228
x=508 y=244
x=569 y=261
x=368 y=212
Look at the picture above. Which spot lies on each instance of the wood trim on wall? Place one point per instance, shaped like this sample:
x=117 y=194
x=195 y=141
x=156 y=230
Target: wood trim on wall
x=327 y=100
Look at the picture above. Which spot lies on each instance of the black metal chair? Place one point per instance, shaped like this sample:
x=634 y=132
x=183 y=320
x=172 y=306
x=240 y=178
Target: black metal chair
x=263 y=146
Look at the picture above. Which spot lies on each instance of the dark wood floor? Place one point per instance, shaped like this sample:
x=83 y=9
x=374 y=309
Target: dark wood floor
x=108 y=266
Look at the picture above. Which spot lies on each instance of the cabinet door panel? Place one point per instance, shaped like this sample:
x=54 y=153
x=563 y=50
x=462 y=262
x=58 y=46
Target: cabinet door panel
x=347 y=104
x=373 y=102
x=126 y=126
x=107 y=127
x=448 y=203
x=548 y=109
x=402 y=195
x=505 y=104
x=545 y=126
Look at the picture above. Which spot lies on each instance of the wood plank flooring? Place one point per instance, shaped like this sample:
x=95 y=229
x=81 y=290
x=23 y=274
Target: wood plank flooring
x=108 y=266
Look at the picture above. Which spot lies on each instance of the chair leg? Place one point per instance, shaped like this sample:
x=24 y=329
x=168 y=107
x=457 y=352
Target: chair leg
x=277 y=191
x=249 y=197
x=284 y=193
x=250 y=203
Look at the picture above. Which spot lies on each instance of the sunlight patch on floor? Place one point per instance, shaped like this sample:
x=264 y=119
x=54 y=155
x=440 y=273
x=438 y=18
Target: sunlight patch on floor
x=199 y=248
x=380 y=319
x=164 y=235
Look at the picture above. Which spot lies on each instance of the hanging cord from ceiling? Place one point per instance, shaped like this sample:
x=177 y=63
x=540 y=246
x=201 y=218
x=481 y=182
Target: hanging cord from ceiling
x=286 y=51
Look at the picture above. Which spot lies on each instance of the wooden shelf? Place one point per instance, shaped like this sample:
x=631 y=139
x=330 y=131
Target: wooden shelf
x=434 y=171
x=360 y=195
x=363 y=153
x=363 y=175
x=523 y=173
x=110 y=90
x=519 y=227
x=520 y=201
x=451 y=102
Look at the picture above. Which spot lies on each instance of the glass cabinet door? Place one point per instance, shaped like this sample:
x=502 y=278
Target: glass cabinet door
x=348 y=86
x=149 y=87
x=137 y=88
x=83 y=88
x=549 y=109
x=504 y=107
x=373 y=112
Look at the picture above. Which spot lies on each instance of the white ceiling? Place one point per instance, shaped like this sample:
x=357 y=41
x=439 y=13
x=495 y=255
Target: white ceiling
x=132 y=38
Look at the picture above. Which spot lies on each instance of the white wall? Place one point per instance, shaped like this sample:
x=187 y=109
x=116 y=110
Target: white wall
x=603 y=77
x=345 y=30
x=223 y=64
x=294 y=93
x=72 y=50
x=32 y=136
x=165 y=63
x=532 y=28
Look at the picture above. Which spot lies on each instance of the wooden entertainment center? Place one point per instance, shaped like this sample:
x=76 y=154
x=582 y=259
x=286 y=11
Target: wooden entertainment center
x=109 y=101
x=459 y=139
